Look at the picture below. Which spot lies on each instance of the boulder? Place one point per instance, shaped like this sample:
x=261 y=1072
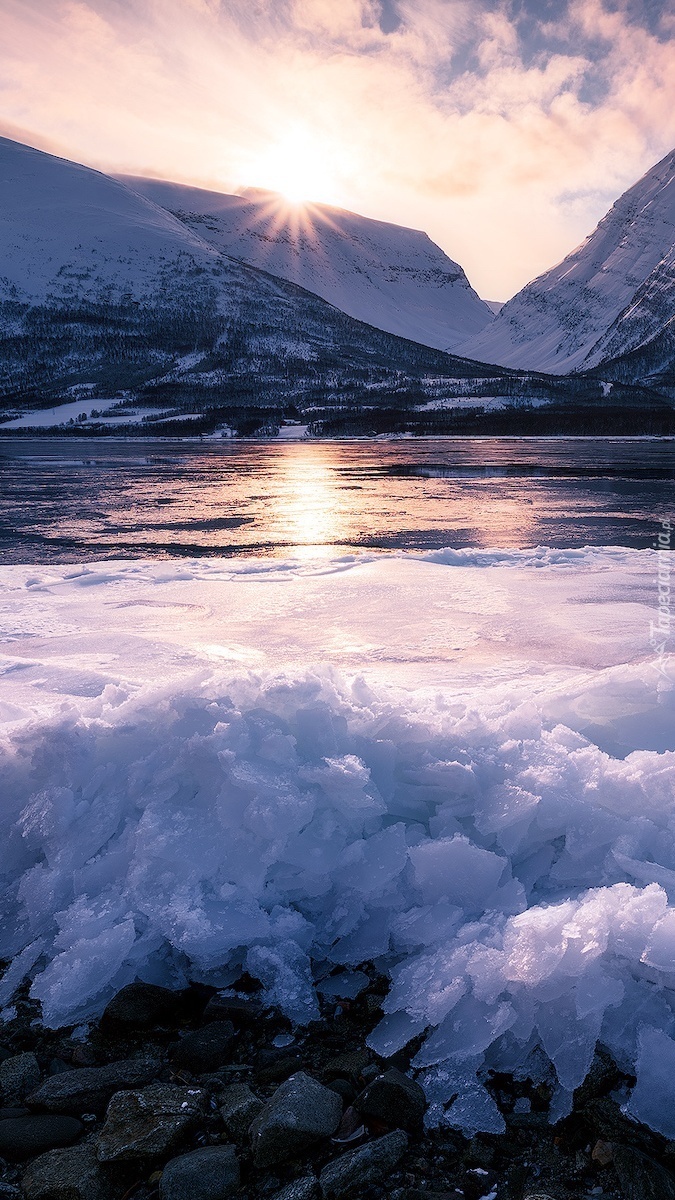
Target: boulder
x=26 y=1137
x=274 y=1064
x=300 y=1113
x=72 y=1174
x=640 y=1176
x=243 y=1011
x=142 y=1005
x=149 y=1124
x=88 y=1089
x=239 y=1107
x=395 y=1099
x=204 y=1050
x=358 y=1169
x=211 y=1173
x=300 y=1189
x=19 y=1075
x=350 y=1065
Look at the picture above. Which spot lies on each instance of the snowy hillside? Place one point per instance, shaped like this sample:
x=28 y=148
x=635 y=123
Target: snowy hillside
x=562 y=320
x=394 y=278
x=642 y=339
x=68 y=233
x=113 y=309
x=103 y=293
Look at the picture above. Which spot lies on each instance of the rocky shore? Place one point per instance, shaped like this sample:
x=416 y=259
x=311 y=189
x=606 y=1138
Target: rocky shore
x=200 y=1095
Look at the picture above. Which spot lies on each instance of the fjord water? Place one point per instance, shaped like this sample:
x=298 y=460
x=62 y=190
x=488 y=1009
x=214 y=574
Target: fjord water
x=66 y=499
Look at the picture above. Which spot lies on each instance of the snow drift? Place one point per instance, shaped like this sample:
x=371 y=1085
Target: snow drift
x=515 y=880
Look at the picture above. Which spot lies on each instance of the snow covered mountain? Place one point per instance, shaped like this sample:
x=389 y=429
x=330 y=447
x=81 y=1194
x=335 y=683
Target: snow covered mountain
x=392 y=277
x=112 y=309
x=103 y=293
x=604 y=298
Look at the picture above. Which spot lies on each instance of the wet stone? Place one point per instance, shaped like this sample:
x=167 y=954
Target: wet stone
x=395 y=1099
x=300 y=1189
x=72 y=1174
x=300 y=1113
x=348 y=1066
x=88 y=1089
x=478 y=1182
x=148 y=1124
x=205 y=1049
x=26 y=1137
x=143 y=1005
x=19 y=1075
x=211 y=1173
x=275 y=1065
x=641 y=1177
x=238 y=1108
x=243 y=1011
x=358 y=1169
x=343 y=1088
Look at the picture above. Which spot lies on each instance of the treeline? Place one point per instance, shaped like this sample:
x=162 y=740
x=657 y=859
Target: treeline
x=248 y=366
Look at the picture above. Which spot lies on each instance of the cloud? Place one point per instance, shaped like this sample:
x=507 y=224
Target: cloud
x=502 y=127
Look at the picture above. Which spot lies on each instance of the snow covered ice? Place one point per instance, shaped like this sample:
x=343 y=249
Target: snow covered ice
x=459 y=765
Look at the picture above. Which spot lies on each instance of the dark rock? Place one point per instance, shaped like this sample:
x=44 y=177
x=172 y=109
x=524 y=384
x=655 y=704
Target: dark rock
x=641 y=1177
x=478 y=1182
x=300 y=1113
x=72 y=1174
x=348 y=1066
x=19 y=1075
x=603 y=1076
x=9 y=1192
x=26 y=1137
x=480 y=1152
x=243 y=1011
x=299 y=1189
x=605 y=1118
x=358 y=1169
x=342 y=1087
x=395 y=1099
x=351 y=1128
x=142 y=1005
x=211 y=1173
x=8 y=1114
x=58 y=1065
x=89 y=1089
x=204 y=1049
x=83 y=1056
x=239 y=1107
x=142 y=1126
x=274 y=1065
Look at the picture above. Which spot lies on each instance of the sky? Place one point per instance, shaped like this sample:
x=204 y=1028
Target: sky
x=504 y=128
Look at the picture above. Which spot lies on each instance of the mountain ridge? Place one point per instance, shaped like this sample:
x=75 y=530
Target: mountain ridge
x=394 y=278
x=561 y=320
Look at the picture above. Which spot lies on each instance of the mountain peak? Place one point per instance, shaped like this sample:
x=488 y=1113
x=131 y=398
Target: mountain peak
x=556 y=321
x=394 y=278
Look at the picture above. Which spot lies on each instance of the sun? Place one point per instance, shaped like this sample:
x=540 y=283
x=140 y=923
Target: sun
x=301 y=166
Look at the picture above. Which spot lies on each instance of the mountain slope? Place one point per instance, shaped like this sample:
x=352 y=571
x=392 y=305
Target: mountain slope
x=556 y=322
x=109 y=301
x=394 y=278
x=643 y=336
x=103 y=290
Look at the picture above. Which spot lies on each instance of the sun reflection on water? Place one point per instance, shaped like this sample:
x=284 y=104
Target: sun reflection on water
x=311 y=509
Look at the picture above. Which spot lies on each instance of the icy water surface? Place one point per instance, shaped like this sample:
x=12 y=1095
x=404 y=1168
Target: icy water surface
x=65 y=499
